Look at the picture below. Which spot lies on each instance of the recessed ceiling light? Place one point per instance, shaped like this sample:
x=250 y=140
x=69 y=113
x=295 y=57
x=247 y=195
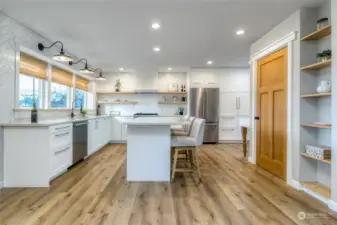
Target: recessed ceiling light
x=209 y=62
x=155 y=26
x=156 y=49
x=121 y=69
x=240 y=32
x=169 y=69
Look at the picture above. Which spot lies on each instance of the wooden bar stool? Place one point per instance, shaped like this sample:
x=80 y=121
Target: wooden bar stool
x=190 y=145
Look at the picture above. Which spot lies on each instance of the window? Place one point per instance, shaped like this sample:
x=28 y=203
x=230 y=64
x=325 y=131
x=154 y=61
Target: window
x=80 y=98
x=30 y=89
x=60 y=96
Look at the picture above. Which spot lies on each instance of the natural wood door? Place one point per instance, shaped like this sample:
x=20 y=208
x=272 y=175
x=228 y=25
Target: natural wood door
x=272 y=72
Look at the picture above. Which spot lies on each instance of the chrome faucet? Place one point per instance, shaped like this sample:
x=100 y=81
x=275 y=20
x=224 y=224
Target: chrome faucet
x=72 y=115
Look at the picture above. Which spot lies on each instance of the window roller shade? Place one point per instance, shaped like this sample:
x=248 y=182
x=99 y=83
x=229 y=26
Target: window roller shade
x=61 y=76
x=33 y=67
x=82 y=83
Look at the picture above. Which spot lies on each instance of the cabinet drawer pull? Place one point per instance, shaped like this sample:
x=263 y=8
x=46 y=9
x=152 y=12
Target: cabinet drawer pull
x=224 y=129
x=59 y=128
x=62 y=150
x=63 y=134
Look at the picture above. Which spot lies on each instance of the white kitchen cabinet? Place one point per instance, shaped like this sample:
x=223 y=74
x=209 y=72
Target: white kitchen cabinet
x=91 y=136
x=204 y=78
x=243 y=103
x=116 y=129
x=125 y=128
x=228 y=103
x=234 y=80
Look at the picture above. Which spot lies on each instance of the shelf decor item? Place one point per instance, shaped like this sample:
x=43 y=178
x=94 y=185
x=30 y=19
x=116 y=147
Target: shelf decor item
x=324 y=86
x=118 y=85
x=324 y=56
x=173 y=87
x=322 y=23
x=319 y=152
x=180 y=111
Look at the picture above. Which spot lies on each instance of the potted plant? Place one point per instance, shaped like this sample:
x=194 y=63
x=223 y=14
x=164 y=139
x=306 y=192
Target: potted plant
x=118 y=85
x=324 y=56
x=181 y=111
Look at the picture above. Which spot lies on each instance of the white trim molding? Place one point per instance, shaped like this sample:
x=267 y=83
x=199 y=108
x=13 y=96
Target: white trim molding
x=332 y=205
x=286 y=41
x=297 y=185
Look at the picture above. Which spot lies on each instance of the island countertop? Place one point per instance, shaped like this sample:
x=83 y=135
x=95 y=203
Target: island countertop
x=156 y=121
x=48 y=122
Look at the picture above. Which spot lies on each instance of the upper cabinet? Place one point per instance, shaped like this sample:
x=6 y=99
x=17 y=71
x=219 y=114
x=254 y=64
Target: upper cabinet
x=235 y=80
x=204 y=78
x=227 y=79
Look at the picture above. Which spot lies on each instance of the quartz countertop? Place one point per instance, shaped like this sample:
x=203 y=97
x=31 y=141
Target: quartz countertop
x=48 y=122
x=156 y=121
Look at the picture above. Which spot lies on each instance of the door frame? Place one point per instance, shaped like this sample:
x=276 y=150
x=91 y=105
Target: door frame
x=286 y=41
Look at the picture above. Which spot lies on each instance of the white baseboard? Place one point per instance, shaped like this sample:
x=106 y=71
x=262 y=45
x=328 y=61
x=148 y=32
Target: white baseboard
x=295 y=184
x=333 y=205
x=251 y=160
x=230 y=142
x=1 y=184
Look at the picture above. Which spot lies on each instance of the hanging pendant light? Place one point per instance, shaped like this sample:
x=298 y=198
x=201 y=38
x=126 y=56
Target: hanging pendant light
x=100 y=77
x=62 y=57
x=86 y=69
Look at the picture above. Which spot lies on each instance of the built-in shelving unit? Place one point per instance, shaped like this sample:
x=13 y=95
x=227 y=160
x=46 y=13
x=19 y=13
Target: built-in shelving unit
x=318 y=65
x=133 y=92
x=172 y=102
x=318 y=188
x=316 y=95
x=328 y=161
x=315 y=174
x=322 y=126
x=319 y=34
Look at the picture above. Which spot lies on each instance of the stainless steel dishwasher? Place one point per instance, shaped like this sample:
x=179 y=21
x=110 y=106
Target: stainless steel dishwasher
x=80 y=141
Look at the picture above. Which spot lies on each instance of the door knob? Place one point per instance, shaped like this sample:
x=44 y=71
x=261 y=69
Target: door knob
x=257 y=118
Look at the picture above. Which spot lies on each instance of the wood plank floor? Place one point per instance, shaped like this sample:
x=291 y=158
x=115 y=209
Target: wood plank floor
x=95 y=192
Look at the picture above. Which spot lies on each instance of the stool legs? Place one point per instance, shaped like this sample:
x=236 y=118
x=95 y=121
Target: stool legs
x=192 y=153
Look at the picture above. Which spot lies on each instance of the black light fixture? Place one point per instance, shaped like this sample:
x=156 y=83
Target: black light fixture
x=100 y=77
x=85 y=70
x=60 y=57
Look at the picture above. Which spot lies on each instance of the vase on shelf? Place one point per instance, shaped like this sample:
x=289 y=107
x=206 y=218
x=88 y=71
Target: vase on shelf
x=324 y=86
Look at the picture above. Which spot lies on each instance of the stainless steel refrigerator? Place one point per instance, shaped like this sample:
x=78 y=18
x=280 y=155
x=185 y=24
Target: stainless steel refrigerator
x=205 y=104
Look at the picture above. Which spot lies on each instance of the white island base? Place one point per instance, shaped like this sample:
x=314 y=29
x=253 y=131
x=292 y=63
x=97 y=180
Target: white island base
x=148 y=153
x=149 y=148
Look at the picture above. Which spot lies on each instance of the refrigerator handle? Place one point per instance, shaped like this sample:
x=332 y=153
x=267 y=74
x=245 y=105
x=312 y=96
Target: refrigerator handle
x=204 y=104
x=236 y=103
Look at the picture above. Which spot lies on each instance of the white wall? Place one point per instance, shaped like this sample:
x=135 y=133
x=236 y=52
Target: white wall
x=12 y=36
x=334 y=100
x=291 y=24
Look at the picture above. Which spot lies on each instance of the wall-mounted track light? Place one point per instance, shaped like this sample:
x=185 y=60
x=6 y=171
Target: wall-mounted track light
x=60 y=57
x=100 y=77
x=85 y=70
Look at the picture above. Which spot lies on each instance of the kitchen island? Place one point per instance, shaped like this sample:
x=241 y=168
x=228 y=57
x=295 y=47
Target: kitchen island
x=149 y=148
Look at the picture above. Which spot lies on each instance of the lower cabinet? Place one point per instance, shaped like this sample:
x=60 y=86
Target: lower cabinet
x=119 y=129
x=230 y=128
x=99 y=133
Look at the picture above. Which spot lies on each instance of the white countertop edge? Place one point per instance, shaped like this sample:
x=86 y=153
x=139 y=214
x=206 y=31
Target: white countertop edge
x=49 y=122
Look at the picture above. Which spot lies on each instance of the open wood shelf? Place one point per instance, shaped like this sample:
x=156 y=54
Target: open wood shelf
x=172 y=102
x=119 y=103
x=172 y=92
x=323 y=126
x=316 y=95
x=317 y=66
x=319 y=34
x=318 y=189
x=116 y=93
x=328 y=161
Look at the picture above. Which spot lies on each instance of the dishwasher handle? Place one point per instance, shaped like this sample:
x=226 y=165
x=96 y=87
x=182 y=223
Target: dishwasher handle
x=80 y=124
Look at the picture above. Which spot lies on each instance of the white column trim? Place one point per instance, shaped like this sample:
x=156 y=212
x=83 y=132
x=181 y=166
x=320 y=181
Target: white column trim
x=286 y=41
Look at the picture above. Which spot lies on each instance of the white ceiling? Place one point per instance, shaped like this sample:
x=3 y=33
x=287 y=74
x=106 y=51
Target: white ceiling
x=113 y=34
